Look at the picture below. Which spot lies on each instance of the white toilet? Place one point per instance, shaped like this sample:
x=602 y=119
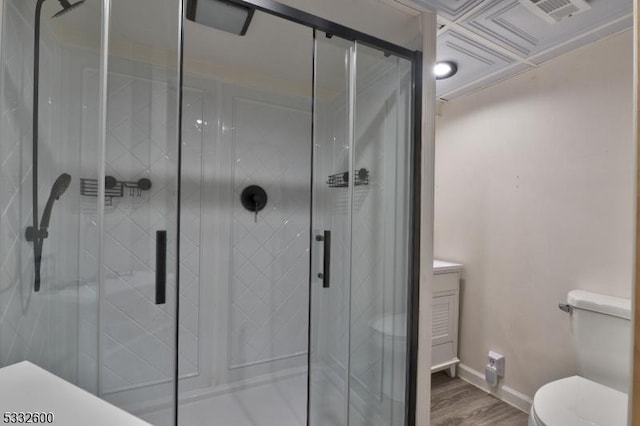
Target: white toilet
x=601 y=328
x=392 y=330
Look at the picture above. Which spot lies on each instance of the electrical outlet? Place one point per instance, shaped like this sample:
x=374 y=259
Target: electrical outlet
x=496 y=361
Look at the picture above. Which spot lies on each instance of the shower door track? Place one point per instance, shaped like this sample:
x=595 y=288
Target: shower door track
x=300 y=17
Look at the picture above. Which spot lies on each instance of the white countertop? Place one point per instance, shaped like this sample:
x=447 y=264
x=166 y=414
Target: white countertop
x=25 y=387
x=444 y=267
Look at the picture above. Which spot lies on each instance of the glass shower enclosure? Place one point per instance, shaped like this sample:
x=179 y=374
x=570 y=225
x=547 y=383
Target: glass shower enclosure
x=206 y=225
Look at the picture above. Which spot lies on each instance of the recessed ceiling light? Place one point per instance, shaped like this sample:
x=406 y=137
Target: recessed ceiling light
x=445 y=69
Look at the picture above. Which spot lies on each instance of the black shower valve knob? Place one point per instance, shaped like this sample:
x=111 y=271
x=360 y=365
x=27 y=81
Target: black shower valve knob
x=253 y=198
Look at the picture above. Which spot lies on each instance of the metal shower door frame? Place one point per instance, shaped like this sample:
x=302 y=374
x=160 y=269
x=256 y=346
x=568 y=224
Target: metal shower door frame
x=274 y=8
x=415 y=57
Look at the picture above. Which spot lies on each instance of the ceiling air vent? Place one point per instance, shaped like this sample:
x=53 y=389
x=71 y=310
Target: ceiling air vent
x=554 y=11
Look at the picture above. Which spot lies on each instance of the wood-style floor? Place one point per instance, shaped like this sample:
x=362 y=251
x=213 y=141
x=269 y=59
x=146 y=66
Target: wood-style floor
x=455 y=402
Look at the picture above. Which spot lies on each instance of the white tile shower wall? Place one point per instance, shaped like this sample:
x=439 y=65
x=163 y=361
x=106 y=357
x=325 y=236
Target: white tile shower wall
x=33 y=326
x=138 y=335
x=269 y=285
x=259 y=267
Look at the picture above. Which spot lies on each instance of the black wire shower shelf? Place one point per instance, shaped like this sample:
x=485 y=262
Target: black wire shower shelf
x=114 y=188
x=341 y=180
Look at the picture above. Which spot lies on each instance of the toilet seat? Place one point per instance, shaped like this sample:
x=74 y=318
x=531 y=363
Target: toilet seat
x=576 y=401
x=392 y=326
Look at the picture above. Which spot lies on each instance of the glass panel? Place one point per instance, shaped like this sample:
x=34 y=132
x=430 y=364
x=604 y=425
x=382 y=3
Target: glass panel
x=380 y=238
x=247 y=123
x=138 y=297
x=53 y=327
x=332 y=201
x=93 y=320
x=361 y=193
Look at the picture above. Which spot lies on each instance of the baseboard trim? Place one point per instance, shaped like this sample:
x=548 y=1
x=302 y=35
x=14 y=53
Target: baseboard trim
x=504 y=393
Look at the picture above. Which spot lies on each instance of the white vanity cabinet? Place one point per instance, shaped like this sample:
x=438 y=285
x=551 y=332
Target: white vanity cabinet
x=445 y=308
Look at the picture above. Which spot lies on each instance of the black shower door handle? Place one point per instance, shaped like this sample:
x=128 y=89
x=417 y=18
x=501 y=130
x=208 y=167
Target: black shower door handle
x=161 y=267
x=326 y=261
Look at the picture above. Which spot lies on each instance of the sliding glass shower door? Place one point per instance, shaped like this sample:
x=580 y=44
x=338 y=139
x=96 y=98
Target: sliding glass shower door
x=331 y=229
x=362 y=205
x=89 y=195
x=138 y=297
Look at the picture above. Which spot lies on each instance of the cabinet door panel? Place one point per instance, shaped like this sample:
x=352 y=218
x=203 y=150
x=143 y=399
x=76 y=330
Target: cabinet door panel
x=443 y=319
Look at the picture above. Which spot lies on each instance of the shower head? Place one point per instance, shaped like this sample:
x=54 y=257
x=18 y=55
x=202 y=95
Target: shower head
x=222 y=15
x=67 y=7
x=59 y=187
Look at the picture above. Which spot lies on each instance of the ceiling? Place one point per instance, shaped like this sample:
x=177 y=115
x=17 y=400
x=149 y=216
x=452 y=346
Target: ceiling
x=491 y=40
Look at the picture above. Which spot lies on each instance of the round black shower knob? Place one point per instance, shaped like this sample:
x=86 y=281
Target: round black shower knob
x=144 y=184
x=253 y=198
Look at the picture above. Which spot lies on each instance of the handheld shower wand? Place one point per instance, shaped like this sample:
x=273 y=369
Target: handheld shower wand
x=34 y=233
x=38 y=235
x=59 y=187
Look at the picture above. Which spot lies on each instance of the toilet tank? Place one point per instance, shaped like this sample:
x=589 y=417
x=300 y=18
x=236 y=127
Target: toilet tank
x=601 y=328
